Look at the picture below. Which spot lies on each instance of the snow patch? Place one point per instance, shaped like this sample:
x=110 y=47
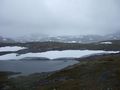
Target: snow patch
x=55 y=54
x=106 y=42
x=11 y=48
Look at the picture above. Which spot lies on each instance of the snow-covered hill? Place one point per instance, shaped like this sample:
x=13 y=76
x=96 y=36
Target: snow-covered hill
x=66 y=39
x=70 y=38
x=6 y=40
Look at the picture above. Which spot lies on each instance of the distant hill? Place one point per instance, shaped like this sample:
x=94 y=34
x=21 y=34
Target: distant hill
x=6 y=40
x=65 y=39
x=70 y=38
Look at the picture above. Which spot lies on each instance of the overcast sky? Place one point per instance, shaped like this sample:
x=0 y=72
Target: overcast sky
x=59 y=17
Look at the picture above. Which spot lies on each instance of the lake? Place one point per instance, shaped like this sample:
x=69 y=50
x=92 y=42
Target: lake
x=16 y=63
x=35 y=66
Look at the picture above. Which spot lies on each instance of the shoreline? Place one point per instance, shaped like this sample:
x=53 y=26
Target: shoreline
x=80 y=60
x=85 y=70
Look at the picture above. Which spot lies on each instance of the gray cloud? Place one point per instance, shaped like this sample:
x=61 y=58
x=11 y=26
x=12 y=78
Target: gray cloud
x=59 y=17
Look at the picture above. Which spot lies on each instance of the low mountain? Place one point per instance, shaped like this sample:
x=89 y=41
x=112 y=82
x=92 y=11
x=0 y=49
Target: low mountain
x=64 y=39
x=70 y=38
x=6 y=40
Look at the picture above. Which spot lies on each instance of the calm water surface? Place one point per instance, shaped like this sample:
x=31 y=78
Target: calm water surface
x=34 y=66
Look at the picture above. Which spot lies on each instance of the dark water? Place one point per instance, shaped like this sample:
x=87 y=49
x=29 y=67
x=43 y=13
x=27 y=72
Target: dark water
x=34 y=66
